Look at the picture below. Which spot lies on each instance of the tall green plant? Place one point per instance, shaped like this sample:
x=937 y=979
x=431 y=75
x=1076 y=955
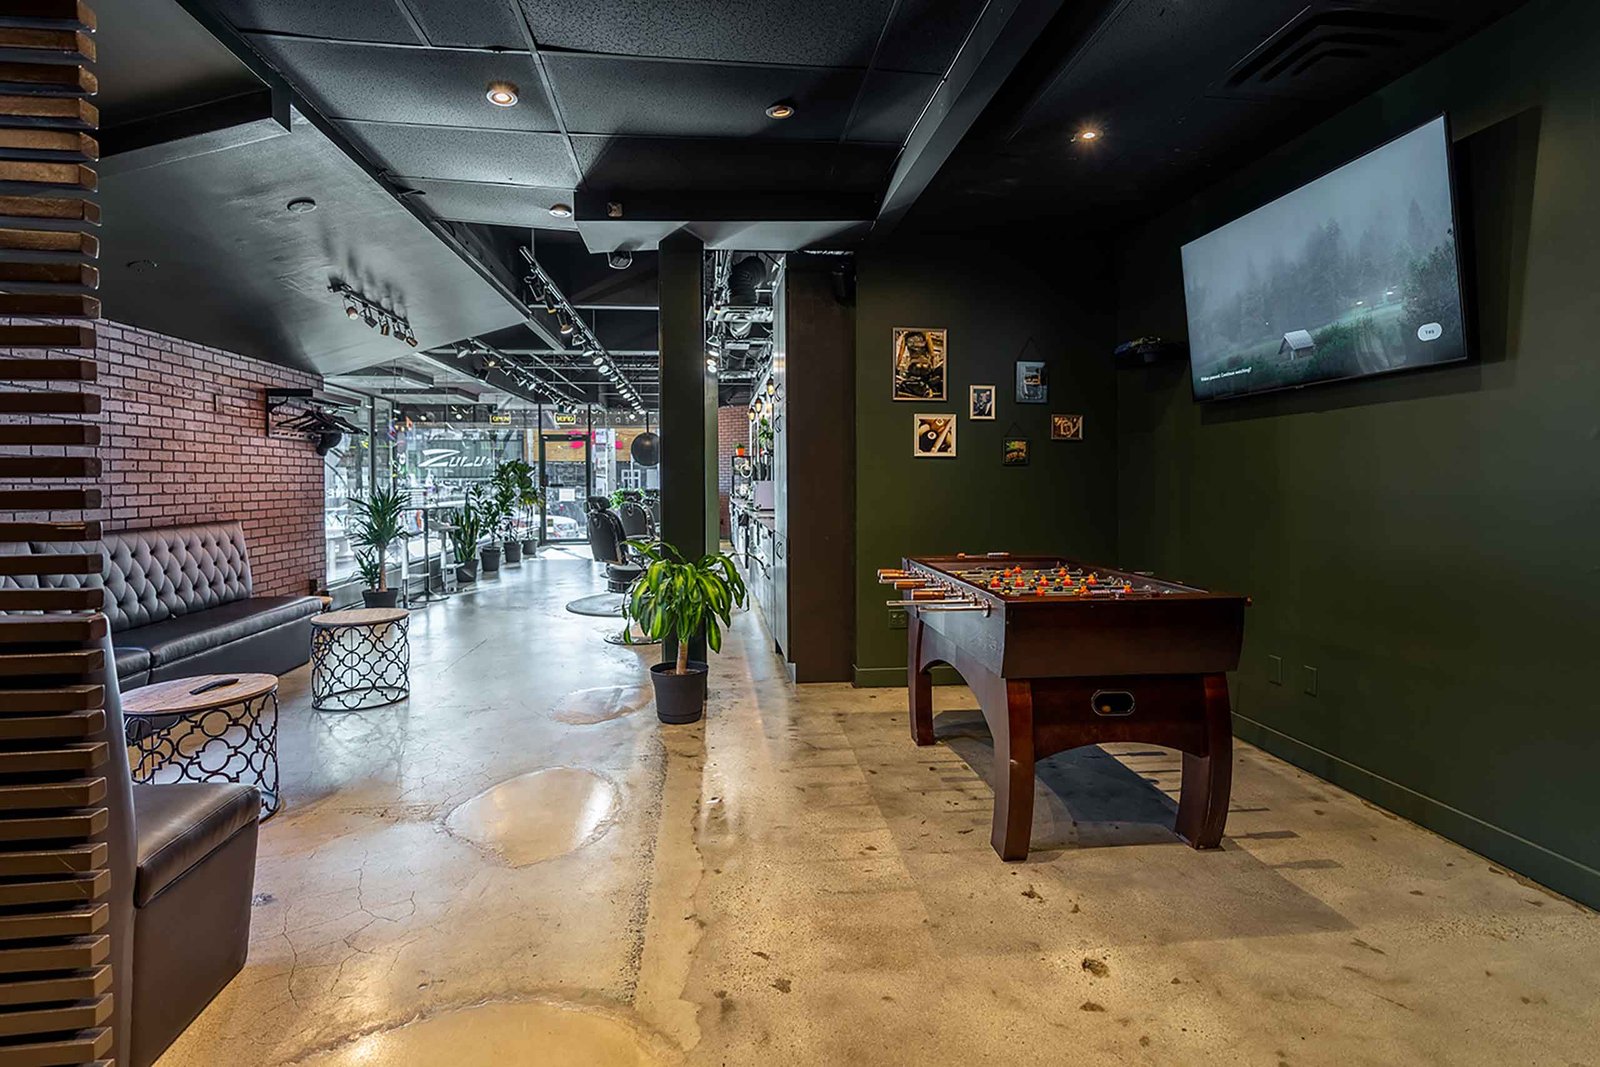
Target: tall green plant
x=511 y=491
x=379 y=523
x=466 y=527
x=675 y=598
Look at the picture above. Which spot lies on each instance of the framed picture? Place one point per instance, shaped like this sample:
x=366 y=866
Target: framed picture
x=980 y=402
x=1032 y=386
x=933 y=436
x=1015 y=452
x=1066 y=427
x=919 y=363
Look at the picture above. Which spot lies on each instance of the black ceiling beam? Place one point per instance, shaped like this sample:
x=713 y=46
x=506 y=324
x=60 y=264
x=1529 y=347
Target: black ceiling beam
x=996 y=44
x=194 y=131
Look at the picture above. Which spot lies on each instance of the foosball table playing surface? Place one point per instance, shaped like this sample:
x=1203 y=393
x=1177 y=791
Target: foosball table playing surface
x=1062 y=654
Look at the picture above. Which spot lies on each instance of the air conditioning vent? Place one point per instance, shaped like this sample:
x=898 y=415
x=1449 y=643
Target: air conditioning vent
x=1330 y=48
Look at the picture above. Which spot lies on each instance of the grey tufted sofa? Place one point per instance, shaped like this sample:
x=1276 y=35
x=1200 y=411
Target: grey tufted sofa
x=181 y=603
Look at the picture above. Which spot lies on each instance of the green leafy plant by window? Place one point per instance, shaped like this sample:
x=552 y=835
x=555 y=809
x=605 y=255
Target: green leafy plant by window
x=512 y=491
x=675 y=598
x=466 y=527
x=379 y=523
x=369 y=565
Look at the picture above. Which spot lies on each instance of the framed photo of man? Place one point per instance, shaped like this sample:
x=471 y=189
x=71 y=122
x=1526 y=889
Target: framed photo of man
x=919 y=363
x=980 y=402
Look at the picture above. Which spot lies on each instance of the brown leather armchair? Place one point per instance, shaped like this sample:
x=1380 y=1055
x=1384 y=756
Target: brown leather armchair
x=183 y=873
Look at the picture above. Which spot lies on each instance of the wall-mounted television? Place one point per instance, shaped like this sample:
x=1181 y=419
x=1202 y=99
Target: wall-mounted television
x=1352 y=275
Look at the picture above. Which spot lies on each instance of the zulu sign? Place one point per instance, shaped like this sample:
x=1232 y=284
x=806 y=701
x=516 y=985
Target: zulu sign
x=464 y=459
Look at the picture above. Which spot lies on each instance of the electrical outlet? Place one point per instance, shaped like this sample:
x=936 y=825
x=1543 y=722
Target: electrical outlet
x=1275 y=670
x=1310 y=674
x=897 y=618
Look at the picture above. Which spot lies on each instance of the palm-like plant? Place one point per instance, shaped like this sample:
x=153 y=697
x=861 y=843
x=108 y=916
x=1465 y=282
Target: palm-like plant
x=379 y=523
x=678 y=599
x=512 y=490
x=369 y=565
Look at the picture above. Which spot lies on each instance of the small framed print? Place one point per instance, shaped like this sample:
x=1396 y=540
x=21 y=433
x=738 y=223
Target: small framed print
x=919 y=363
x=980 y=402
x=1032 y=385
x=933 y=436
x=1015 y=452
x=1066 y=427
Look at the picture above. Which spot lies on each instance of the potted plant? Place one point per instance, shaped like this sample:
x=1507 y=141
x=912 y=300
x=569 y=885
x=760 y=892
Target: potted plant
x=531 y=500
x=378 y=523
x=491 y=517
x=673 y=599
x=512 y=488
x=466 y=528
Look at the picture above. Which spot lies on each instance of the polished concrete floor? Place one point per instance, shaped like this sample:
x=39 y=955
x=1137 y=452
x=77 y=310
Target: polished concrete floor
x=520 y=865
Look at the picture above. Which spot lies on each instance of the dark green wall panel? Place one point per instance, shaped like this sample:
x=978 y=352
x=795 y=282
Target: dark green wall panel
x=1051 y=301
x=1427 y=542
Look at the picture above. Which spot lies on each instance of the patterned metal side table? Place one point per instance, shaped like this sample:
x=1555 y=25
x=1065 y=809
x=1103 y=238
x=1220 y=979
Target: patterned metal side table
x=210 y=728
x=360 y=658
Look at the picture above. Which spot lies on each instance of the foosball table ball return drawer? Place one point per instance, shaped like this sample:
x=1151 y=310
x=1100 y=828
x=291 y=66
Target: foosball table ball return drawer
x=1061 y=654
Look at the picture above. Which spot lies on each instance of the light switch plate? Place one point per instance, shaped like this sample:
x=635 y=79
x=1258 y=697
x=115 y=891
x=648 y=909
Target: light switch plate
x=1311 y=679
x=897 y=618
x=1275 y=670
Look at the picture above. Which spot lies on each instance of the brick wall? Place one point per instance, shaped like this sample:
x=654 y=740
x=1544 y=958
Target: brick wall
x=733 y=429
x=183 y=440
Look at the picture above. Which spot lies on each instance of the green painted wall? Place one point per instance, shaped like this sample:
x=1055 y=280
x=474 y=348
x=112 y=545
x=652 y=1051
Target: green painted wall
x=1428 y=542
x=1050 y=301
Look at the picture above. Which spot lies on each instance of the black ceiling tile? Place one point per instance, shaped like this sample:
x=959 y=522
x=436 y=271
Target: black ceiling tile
x=455 y=154
x=428 y=86
x=643 y=163
x=925 y=35
x=890 y=105
x=748 y=31
x=348 y=20
x=496 y=205
x=657 y=98
x=481 y=24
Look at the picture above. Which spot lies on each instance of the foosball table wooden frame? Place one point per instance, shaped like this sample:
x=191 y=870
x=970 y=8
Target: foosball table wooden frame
x=1053 y=673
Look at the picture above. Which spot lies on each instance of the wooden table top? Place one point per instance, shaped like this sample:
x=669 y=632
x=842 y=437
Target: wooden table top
x=359 y=617
x=178 y=696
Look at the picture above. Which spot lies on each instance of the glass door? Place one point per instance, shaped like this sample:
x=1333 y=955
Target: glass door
x=565 y=476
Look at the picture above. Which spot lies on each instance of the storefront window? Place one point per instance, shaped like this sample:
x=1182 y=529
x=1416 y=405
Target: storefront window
x=347 y=474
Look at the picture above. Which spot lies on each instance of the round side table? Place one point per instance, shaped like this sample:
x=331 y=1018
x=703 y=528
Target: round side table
x=360 y=658
x=210 y=728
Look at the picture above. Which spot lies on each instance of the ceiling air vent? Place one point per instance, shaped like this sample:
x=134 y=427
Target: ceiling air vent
x=1330 y=48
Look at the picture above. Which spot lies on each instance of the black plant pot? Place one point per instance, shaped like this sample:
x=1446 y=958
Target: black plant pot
x=491 y=559
x=467 y=572
x=680 y=698
x=530 y=547
x=513 y=551
x=380 y=598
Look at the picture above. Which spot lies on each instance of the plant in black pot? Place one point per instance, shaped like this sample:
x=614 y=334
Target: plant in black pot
x=379 y=523
x=466 y=528
x=511 y=487
x=674 y=599
x=493 y=515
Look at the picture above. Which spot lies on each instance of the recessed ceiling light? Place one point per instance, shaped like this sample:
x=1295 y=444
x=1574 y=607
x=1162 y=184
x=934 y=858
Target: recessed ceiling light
x=561 y=211
x=781 y=110
x=1088 y=134
x=301 y=205
x=141 y=264
x=501 y=94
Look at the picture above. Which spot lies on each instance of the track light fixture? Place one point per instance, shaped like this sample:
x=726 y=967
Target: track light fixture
x=375 y=315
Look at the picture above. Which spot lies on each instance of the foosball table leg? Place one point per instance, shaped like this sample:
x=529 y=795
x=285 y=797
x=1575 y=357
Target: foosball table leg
x=1208 y=779
x=1013 y=775
x=919 y=684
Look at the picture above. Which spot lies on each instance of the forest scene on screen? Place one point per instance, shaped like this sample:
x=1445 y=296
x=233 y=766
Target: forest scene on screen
x=1351 y=275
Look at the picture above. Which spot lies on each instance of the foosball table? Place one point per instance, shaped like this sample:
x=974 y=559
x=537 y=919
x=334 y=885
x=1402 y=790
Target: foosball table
x=1062 y=654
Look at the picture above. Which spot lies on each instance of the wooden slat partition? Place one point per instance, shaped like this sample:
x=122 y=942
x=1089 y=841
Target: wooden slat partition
x=56 y=985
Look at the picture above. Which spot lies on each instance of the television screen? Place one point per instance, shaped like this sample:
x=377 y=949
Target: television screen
x=1352 y=275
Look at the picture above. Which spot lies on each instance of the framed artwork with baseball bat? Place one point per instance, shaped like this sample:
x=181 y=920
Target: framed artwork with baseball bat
x=933 y=436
